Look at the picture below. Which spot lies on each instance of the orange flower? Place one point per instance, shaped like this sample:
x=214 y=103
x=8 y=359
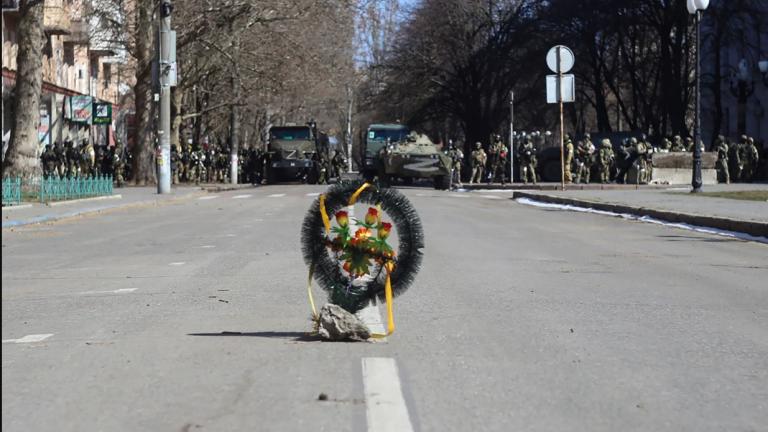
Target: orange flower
x=347 y=267
x=362 y=234
x=342 y=218
x=384 y=230
x=372 y=217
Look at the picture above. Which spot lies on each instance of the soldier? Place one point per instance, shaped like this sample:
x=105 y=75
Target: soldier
x=87 y=157
x=751 y=158
x=175 y=162
x=48 y=161
x=640 y=151
x=498 y=159
x=479 y=158
x=688 y=144
x=98 y=160
x=721 y=146
x=605 y=160
x=677 y=144
x=735 y=159
x=339 y=164
x=209 y=158
x=568 y=155
x=527 y=156
x=583 y=161
x=61 y=159
x=457 y=158
x=117 y=165
x=72 y=158
x=666 y=144
x=185 y=174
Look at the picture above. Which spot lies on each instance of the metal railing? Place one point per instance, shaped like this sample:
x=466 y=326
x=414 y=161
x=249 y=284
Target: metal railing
x=55 y=188
x=11 y=190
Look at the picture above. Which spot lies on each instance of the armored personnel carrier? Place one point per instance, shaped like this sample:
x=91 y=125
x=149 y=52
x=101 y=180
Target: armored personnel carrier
x=391 y=151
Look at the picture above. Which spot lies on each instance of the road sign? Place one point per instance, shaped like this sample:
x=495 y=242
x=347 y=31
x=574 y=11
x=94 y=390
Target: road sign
x=567 y=89
x=566 y=59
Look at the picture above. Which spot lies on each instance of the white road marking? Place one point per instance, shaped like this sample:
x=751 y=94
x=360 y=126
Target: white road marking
x=210 y=197
x=372 y=318
x=117 y=291
x=178 y=263
x=230 y=235
x=242 y=196
x=206 y=247
x=491 y=196
x=313 y=194
x=384 y=403
x=706 y=230
x=276 y=195
x=459 y=195
x=29 y=338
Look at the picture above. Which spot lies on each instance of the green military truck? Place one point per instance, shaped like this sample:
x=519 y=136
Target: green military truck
x=392 y=151
x=294 y=153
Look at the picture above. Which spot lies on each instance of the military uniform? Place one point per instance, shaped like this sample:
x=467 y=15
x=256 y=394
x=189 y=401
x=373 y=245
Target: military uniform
x=751 y=157
x=48 y=161
x=339 y=164
x=721 y=146
x=568 y=155
x=457 y=158
x=479 y=158
x=583 y=161
x=605 y=160
x=677 y=144
x=498 y=160
x=527 y=158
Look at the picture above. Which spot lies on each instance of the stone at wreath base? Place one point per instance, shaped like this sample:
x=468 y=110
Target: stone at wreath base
x=337 y=324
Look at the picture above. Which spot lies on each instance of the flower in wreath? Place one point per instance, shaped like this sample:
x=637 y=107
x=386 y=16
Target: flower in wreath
x=362 y=249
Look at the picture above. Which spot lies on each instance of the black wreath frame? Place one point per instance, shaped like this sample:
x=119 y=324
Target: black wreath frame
x=325 y=267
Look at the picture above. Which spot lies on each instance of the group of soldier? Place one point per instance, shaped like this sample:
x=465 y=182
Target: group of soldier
x=213 y=165
x=736 y=161
x=67 y=160
x=585 y=161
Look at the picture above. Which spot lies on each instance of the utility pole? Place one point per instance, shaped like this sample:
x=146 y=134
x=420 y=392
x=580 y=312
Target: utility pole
x=349 y=129
x=164 y=153
x=511 y=136
x=234 y=119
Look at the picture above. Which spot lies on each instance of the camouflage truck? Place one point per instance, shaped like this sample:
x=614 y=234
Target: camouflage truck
x=294 y=153
x=391 y=151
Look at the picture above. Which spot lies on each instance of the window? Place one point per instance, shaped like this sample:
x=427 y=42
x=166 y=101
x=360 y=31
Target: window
x=107 y=74
x=69 y=54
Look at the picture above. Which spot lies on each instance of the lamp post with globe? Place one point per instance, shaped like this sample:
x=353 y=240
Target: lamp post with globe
x=696 y=7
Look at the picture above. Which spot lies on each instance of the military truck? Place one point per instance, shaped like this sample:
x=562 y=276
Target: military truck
x=294 y=153
x=392 y=151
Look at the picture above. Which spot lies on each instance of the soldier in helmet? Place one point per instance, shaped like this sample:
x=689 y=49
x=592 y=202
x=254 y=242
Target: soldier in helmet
x=457 y=158
x=48 y=161
x=479 y=158
x=605 y=160
x=677 y=144
x=568 y=158
x=175 y=162
x=751 y=158
x=527 y=157
x=721 y=146
x=498 y=153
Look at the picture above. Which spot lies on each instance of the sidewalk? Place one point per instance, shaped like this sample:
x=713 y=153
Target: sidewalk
x=671 y=204
x=32 y=213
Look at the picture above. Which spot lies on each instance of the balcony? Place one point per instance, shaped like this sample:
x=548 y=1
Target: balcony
x=56 y=18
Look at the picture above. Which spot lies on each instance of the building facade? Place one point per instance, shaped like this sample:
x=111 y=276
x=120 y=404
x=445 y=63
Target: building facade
x=80 y=64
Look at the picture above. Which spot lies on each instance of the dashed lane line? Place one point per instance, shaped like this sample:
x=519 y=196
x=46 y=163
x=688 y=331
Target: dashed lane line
x=117 y=291
x=177 y=263
x=243 y=196
x=29 y=338
x=385 y=407
x=491 y=196
x=209 y=197
x=313 y=194
x=276 y=195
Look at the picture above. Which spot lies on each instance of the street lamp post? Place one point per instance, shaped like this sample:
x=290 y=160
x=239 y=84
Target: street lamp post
x=696 y=7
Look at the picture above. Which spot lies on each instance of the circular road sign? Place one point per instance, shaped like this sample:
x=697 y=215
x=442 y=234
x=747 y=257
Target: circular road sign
x=566 y=58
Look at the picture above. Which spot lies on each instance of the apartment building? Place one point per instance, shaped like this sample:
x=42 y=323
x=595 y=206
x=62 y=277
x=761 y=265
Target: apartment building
x=81 y=63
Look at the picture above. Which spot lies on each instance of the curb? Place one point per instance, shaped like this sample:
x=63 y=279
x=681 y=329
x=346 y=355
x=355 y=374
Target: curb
x=81 y=200
x=16 y=207
x=757 y=229
x=556 y=186
x=54 y=218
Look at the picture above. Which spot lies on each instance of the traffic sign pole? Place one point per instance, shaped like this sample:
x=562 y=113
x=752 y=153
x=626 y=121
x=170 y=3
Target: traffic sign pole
x=562 y=128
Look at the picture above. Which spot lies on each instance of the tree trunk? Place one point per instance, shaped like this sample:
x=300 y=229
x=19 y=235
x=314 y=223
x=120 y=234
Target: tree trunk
x=22 y=159
x=143 y=166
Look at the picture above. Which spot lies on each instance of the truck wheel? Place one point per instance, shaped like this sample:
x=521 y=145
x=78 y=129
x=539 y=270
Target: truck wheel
x=442 y=182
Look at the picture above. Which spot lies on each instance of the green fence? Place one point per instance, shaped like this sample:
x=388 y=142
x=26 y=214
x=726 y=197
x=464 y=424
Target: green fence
x=11 y=190
x=54 y=188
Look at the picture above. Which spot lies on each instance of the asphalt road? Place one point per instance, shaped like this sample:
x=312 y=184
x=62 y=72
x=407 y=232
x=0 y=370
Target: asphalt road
x=521 y=319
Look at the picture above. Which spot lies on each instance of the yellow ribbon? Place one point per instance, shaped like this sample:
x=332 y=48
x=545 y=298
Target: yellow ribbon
x=309 y=291
x=390 y=266
x=356 y=195
x=324 y=215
